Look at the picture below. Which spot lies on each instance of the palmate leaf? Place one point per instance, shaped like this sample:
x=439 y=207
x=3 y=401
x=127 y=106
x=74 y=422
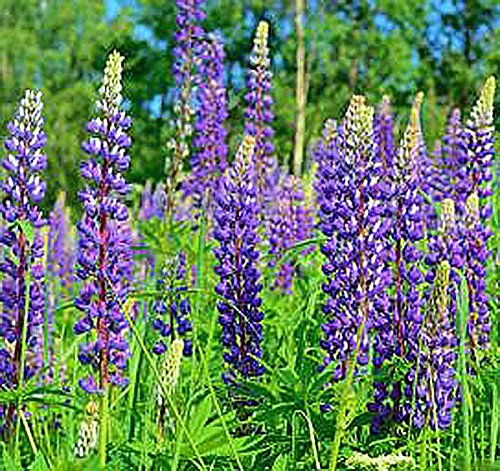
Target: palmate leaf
x=207 y=431
x=281 y=463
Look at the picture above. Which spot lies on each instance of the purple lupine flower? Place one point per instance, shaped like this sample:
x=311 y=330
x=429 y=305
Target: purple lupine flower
x=404 y=318
x=430 y=385
x=236 y=225
x=351 y=218
x=439 y=180
x=479 y=137
x=449 y=175
x=60 y=265
x=60 y=256
x=187 y=38
x=259 y=115
x=172 y=310
x=22 y=244
x=146 y=207
x=325 y=156
x=476 y=235
x=383 y=131
x=159 y=201
x=289 y=222
x=189 y=14
x=454 y=161
x=209 y=160
x=152 y=205
x=104 y=246
x=383 y=134
x=425 y=168
x=481 y=148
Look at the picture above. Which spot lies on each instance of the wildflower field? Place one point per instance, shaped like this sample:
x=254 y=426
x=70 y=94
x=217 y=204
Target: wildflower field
x=240 y=313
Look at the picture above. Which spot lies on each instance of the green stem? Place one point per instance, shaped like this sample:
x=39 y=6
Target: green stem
x=495 y=414
x=341 y=422
x=22 y=363
x=103 y=428
x=423 y=452
x=463 y=312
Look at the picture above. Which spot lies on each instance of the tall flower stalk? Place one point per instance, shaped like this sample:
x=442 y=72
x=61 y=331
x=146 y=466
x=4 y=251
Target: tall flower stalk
x=352 y=219
x=209 y=160
x=404 y=206
x=454 y=161
x=236 y=230
x=172 y=311
x=60 y=256
x=479 y=137
x=188 y=37
x=430 y=386
x=480 y=148
x=476 y=235
x=356 y=269
x=104 y=246
x=259 y=115
x=22 y=295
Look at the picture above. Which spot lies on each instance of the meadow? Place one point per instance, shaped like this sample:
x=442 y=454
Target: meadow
x=236 y=314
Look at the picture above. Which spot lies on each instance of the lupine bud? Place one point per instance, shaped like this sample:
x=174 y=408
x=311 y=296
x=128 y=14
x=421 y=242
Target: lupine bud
x=171 y=369
x=88 y=434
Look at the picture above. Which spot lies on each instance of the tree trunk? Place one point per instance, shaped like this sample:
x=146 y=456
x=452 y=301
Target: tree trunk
x=301 y=93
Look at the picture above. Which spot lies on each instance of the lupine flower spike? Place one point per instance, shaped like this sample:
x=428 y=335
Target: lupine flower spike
x=355 y=267
x=480 y=156
x=325 y=154
x=259 y=115
x=288 y=222
x=60 y=262
x=454 y=151
x=186 y=73
x=480 y=147
x=209 y=160
x=476 y=256
x=22 y=244
x=236 y=226
x=104 y=250
x=406 y=218
x=383 y=128
x=172 y=309
x=430 y=389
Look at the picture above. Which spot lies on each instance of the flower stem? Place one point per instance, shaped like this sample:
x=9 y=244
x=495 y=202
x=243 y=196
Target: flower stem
x=462 y=328
x=103 y=428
